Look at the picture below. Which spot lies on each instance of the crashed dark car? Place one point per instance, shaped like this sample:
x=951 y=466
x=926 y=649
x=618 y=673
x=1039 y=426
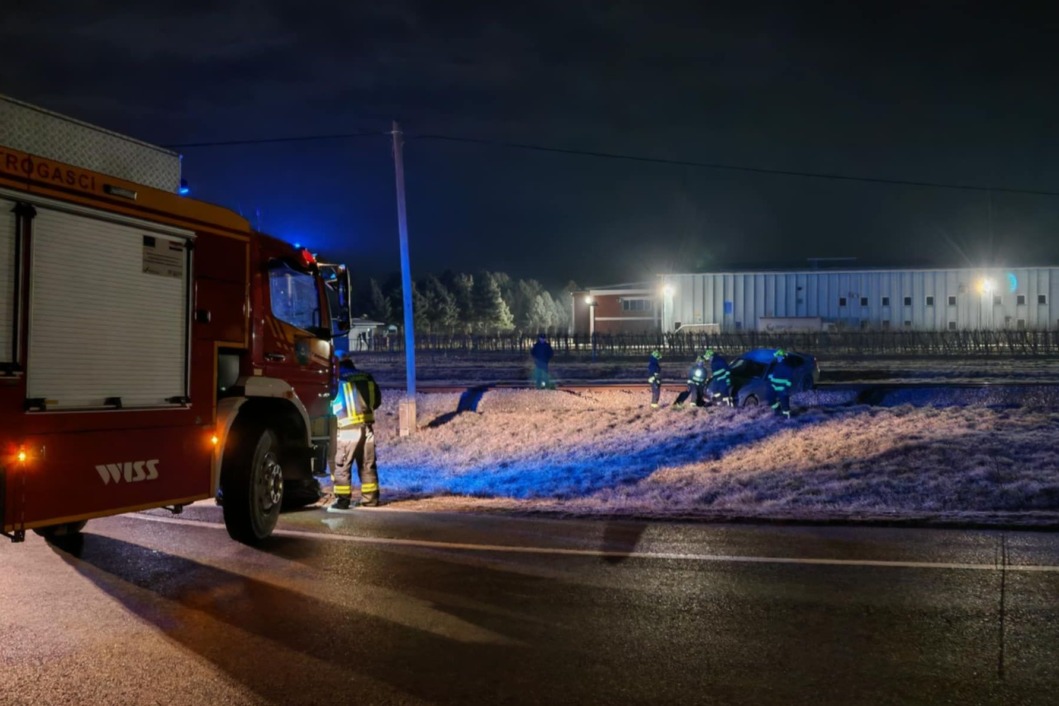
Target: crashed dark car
x=750 y=373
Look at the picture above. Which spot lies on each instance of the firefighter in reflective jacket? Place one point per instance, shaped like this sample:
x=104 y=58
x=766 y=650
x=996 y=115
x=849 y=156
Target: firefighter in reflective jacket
x=354 y=405
x=780 y=381
x=720 y=385
x=697 y=375
x=654 y=376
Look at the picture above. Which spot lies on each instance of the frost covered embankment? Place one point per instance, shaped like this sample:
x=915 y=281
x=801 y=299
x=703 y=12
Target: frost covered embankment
x=978 y=455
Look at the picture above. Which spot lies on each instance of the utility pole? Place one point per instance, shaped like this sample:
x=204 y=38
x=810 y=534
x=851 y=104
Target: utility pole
x=407 y=407
x=992 y=252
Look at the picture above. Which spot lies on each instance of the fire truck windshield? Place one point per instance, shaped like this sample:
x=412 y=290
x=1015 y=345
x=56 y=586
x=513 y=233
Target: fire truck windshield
x=295 y=298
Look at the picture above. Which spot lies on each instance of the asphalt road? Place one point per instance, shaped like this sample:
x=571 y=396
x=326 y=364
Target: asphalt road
x=387 y=606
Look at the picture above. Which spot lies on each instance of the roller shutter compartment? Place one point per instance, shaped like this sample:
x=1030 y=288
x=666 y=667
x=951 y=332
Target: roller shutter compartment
x=108 y=313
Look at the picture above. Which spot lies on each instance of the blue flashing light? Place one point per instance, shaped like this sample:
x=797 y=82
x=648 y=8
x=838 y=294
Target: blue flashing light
x=297 y=246
x=1013 y=282
x=184 y=189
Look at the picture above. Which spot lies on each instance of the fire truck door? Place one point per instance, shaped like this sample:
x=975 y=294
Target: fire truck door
x=296 y=347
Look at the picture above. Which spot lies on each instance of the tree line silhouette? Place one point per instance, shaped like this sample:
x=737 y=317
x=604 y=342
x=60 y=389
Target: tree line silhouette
x=461 y=303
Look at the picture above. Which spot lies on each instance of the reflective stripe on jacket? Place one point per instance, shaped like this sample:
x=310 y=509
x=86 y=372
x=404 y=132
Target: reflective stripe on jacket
x=357 y=398
x=779 y=383
x=697 y=374
x=719 y=368
x=780 y=377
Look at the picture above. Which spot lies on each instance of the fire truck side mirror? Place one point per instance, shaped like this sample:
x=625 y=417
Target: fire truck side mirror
x=336 y=277
x=343 y=320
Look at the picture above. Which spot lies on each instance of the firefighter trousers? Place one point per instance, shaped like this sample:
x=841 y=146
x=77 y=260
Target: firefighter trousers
x=779 y=398
x=693 y=389
x=720 y=390
x=356 y=445
x=541 y=379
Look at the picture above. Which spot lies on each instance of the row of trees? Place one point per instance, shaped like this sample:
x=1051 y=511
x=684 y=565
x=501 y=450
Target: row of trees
x=456 y=302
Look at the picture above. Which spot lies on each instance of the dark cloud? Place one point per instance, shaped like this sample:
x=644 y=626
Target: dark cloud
x=945 y=92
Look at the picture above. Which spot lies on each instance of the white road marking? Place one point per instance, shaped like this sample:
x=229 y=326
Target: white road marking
x=602 y=553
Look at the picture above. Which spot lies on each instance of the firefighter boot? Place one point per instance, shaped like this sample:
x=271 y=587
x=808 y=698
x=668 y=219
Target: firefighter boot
x=340 y=503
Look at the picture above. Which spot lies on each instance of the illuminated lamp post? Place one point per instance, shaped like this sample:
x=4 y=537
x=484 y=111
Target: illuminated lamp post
x=986 y=286
x=667 y=301
x=591 y=302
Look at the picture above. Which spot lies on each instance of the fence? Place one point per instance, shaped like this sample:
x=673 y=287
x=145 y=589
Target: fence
x=859 y=343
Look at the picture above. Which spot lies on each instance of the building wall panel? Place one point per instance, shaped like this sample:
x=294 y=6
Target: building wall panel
x=927 y=300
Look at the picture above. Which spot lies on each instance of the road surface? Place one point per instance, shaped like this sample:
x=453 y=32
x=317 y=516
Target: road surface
x=388 y=606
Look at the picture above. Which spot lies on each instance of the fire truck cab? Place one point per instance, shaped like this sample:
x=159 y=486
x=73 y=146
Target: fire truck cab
x=154 y=350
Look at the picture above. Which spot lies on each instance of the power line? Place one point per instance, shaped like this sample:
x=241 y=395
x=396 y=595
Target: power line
x=733 y=167
x=629 y=158
x=268 y=140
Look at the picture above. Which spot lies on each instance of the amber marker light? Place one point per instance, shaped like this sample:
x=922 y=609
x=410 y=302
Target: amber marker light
x=22 y=456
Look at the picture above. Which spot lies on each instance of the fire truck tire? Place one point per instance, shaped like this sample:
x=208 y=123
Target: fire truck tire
x=252 y=485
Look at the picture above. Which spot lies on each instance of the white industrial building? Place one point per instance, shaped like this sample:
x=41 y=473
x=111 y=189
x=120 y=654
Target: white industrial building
x=1022 y=298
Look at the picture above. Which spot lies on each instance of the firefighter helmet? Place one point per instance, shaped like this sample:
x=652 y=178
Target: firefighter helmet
x=656 y=354
x=780 y=353
x=708 y=354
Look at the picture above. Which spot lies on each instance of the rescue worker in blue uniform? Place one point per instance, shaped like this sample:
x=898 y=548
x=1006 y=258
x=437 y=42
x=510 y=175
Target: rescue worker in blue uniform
x=781 y=379
x=354 y=406
x=541 y=354
x=654 y=376
x=697 y=375
x=719 y=388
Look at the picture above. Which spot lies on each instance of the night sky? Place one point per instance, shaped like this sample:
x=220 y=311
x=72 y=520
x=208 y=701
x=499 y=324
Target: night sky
x=949 y=95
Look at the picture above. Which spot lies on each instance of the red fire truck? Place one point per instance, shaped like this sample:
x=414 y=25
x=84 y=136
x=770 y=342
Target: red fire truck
x=154 y=350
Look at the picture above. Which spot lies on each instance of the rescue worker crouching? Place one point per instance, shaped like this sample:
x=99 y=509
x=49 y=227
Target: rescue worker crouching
x=355 y=402
x=654 y=376
x=719 y=388
x=697 y=375
x=781 y=379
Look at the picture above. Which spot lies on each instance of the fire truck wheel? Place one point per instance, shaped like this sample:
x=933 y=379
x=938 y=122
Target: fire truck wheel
x=252 y=485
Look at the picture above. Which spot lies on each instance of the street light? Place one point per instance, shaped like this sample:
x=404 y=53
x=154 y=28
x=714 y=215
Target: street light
x=986 y=287
x=667 y=298
x=591 y=302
